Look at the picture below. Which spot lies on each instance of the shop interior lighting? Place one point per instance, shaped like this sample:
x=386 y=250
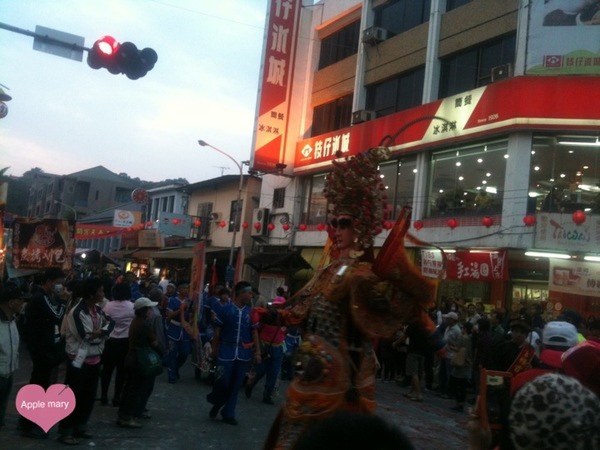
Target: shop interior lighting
x=536 y=254
x=592 y=258
x=584 y=142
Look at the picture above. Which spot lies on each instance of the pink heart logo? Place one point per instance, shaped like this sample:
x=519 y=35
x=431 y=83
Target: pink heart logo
x=45 y=408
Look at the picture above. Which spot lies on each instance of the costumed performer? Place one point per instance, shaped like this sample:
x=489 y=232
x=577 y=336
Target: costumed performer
x=350 y=302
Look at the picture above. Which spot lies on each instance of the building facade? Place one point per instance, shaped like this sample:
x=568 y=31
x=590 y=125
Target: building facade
x=489 y=111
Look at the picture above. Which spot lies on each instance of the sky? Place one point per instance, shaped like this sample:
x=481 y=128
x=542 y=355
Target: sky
x=65 y=116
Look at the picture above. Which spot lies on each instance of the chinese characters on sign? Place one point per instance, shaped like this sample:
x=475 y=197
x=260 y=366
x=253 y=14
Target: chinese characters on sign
x=276 y=82
x=574 y=277
x=40 y=244
x=466 y=266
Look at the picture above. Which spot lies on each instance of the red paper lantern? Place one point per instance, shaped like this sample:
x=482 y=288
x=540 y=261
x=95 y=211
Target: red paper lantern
x=529 y=220
x=149 y=224
x=302 y=227
x=579 y=217
x=286 y=226
x=418 y=224
x=222 y=224
x=487 y=221
x=321 y=227
x=387 y=225
x=128 y=228
x=452 y=223
x=176 y=221
x=197 y=223
x=271 y=226
x=245 y=225
x=257 y=226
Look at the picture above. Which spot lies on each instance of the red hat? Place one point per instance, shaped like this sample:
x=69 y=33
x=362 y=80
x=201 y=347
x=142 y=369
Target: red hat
x=583 y=363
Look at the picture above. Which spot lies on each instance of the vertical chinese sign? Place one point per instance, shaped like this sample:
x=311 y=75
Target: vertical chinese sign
x=563 y=38
x=39 y=244
x=281 y=36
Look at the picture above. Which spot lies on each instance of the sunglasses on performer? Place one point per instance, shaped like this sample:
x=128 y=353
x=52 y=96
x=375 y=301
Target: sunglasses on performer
x=342 y=224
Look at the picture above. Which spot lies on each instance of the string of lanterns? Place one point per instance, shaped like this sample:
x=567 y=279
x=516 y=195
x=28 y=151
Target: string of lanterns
x=578 y=217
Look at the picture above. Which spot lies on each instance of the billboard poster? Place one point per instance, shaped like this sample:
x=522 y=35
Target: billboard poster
x=275 y=85
x=39 y=244
x=574 y=277
x=466 y=266
x=564 y=37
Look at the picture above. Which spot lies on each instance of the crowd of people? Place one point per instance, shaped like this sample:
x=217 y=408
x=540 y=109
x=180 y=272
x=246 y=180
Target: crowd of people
x=357 y=318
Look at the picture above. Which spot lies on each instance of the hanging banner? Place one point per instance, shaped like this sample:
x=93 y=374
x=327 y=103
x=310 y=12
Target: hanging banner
x=559 y=232
x=276 y=81
x=563 y=37
x=91 y=231
x=574 y=277
x=466 y=266
x=197 y=280
x=39 y=244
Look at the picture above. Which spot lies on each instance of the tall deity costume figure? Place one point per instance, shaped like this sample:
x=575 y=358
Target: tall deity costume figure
x=350 y=302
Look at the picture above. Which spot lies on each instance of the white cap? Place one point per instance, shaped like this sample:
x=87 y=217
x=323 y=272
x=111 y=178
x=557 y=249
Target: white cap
x=142 y=302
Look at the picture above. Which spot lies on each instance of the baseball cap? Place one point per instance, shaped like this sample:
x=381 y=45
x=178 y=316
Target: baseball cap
x=450 y=315
x=142 y=302
x=560 y=334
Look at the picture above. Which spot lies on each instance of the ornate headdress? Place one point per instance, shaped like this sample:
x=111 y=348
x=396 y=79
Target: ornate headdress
x=354 y=187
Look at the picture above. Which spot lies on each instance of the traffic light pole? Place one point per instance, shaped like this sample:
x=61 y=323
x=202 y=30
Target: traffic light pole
x=44 y=38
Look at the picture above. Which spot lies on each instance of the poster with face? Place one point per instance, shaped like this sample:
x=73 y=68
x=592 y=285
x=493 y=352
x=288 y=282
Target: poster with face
x=39 y=244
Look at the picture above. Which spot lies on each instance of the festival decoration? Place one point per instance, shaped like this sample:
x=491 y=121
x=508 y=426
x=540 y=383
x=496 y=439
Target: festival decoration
x=222 y=224
x=579 y=217
x=487 y=221
x=418 y=224
x=271 y=227
x=452 y=223
x=285 y=226
x=529 y=220
x=302 y=227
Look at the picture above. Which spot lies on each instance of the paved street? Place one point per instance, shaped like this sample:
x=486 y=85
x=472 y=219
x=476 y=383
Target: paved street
x=180 y=420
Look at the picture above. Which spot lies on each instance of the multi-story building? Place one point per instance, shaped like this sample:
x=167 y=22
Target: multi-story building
x=490 y=111
x=78 y=194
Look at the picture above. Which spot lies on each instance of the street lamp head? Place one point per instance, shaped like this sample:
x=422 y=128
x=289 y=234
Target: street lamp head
x=202 y=143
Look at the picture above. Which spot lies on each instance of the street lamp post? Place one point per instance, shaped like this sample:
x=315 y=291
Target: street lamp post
x=237 y=203
x=56 y=202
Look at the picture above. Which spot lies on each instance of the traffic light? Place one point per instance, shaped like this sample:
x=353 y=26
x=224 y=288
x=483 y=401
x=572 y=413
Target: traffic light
x=121 y=58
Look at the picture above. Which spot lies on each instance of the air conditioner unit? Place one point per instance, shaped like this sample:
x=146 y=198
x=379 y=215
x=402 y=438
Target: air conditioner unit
x=501 y=72
x=363 y=115
x=215 y=216
x=260 y=216
x=374 y=35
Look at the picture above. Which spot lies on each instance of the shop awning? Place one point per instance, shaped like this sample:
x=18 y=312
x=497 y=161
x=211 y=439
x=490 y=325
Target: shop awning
x=182 y=252
x=277 y=261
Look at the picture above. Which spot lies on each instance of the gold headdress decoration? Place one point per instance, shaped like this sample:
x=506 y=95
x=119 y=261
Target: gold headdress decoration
x=354 y=187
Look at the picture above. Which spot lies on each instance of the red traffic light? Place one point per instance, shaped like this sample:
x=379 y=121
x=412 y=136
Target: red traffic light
x=102 y=52
x=121 y=58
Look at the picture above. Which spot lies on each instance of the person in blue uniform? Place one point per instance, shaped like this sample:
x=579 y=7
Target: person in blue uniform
x=234 y=344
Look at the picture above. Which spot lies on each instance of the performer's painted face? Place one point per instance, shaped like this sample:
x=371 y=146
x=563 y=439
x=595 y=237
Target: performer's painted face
x=344 y=231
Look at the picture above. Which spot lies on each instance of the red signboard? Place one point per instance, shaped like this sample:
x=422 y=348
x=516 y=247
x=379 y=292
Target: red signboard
x=466 y=266
x=564 y=103
x=39 y=244
x=276 y=83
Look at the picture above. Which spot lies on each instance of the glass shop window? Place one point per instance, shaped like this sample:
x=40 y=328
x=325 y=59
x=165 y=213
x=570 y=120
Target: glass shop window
x=398 y=178
x=468 y=180
x=564 y=174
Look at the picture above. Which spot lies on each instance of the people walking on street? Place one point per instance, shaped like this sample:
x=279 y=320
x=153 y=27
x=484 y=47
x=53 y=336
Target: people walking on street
x=138 y=386
x=120 y=310
x=452 y=339
x=180 y=316
x=234 y=344
x=41 y=332
x=87 y=330
x=271 y=337
x=418 y=347
x=11 y=304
